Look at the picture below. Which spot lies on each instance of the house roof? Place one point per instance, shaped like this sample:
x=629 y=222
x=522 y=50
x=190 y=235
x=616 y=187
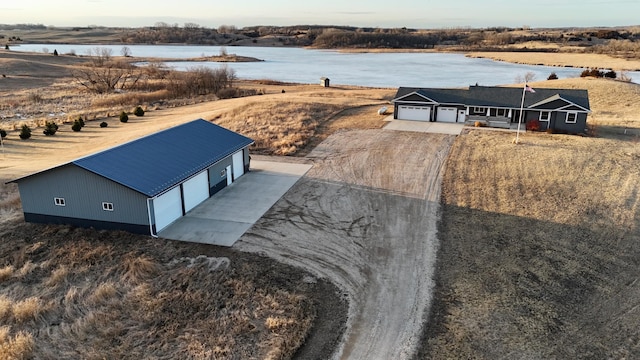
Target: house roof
x=155 y=163
x=494 y=96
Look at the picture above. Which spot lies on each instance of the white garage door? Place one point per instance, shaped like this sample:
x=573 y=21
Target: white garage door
x=238 y=164
x=420 y=113
x=167 y=208
x=446 y=114
x=195 y=190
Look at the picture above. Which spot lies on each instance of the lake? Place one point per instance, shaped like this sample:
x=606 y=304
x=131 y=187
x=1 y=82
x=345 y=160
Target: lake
x=365 y=69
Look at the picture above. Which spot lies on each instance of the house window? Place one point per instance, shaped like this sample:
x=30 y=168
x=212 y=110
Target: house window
x=107 y=206
x=223 y=173
x=571 y=118
x=59 y=201
x=502 y=112
x=479 y=110
x=545 y=115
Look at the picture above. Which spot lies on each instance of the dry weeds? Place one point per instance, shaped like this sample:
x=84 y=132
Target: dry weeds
x=17 y=347
x=89 y=294
x=279 y=128
x=539 y=249
x=562 y=59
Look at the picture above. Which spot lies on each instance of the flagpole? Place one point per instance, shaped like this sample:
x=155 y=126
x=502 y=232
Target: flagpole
x=524 y=90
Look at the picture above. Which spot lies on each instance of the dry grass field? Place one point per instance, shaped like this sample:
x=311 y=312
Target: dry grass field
x=583 y=60
x=540 y=241
x=75 y=293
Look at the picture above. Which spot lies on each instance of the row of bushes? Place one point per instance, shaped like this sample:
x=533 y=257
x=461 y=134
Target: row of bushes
x=51 y=127
x=598 y=73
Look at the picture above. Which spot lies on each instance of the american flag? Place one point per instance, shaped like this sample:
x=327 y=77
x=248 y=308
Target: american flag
x=529 y=89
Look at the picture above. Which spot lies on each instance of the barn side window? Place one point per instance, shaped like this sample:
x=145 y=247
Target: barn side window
x=223 y=173
x=59 y=201
x=571 y=117
x=107 y=206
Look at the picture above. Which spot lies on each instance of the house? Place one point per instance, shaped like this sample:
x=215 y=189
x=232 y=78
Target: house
x=563 y=110
x=324 y=81
x=141 y=186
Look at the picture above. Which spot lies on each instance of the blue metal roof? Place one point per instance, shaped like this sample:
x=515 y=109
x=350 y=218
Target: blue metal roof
x=157 y=162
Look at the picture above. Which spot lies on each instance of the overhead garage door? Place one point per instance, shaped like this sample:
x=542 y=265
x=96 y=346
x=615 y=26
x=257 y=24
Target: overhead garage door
x=195 y=190
x=420 y=113
x=238 y=164
x=446 y=114
x=167 y=208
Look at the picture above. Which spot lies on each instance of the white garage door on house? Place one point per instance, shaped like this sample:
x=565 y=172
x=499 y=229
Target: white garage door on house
x=447 y=114
x=195 y=190
x=419 y=113
x=167 y=208
x=238 y=164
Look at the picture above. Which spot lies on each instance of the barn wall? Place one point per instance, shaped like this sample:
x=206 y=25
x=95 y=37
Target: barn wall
x=83 y=193
x=218 y=182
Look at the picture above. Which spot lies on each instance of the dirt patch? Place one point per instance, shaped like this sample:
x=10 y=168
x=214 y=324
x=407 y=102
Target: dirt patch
x=539 y=250
x=364 y=218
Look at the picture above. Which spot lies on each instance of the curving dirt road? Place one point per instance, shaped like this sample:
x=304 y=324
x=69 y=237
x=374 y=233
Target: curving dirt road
x=365 y=217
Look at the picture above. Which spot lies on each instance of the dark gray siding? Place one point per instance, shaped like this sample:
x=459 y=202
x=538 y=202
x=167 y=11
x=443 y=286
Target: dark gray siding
x=558 y=122
x=247 y=159
x=83 y=193
x=218 y=182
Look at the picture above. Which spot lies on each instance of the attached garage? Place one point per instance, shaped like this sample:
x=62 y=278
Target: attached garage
x=171 y=173
x=418 y=113
x=447 y=114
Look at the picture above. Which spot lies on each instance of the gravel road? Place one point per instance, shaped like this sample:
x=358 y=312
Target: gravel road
x=365 y=217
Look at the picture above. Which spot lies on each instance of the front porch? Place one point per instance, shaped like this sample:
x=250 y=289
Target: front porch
x=490 y=121
x=501 y=122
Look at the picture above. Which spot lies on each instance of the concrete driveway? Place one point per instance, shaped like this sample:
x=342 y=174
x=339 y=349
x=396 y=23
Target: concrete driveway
x=424 y=126
x=223 y=218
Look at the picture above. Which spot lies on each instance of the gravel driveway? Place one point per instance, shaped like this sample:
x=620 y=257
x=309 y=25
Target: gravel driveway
x=365 y=217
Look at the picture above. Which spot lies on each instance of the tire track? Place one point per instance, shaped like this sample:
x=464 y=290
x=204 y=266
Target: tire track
x=365 y=217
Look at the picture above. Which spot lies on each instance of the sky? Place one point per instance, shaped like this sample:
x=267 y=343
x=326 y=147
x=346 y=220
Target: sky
x=421 y=14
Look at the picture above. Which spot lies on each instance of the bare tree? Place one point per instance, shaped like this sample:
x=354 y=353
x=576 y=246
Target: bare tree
x=103 y=74
x=528 y=77
x=227 y=29
x=125 y=51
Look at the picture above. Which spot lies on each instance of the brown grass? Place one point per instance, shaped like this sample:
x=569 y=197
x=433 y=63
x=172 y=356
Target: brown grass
x=562 y=59
x=103 y=296
x=539 y=249
x=17 y=347
x=279 y=128
x=27 y=309
x=6 y=272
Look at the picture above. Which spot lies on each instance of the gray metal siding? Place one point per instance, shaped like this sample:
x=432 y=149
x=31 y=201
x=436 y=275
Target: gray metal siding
x=216 y=170
x=247 y=159
x=83 y=193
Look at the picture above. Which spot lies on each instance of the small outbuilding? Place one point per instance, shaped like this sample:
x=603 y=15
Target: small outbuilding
x=324 y=81
x=141 y=186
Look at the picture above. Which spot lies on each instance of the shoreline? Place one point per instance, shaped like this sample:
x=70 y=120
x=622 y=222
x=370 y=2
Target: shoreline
x=534 y=58
x=568 y=60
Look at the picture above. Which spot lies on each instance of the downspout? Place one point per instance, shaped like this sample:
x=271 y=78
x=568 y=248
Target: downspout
x=150 y=222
